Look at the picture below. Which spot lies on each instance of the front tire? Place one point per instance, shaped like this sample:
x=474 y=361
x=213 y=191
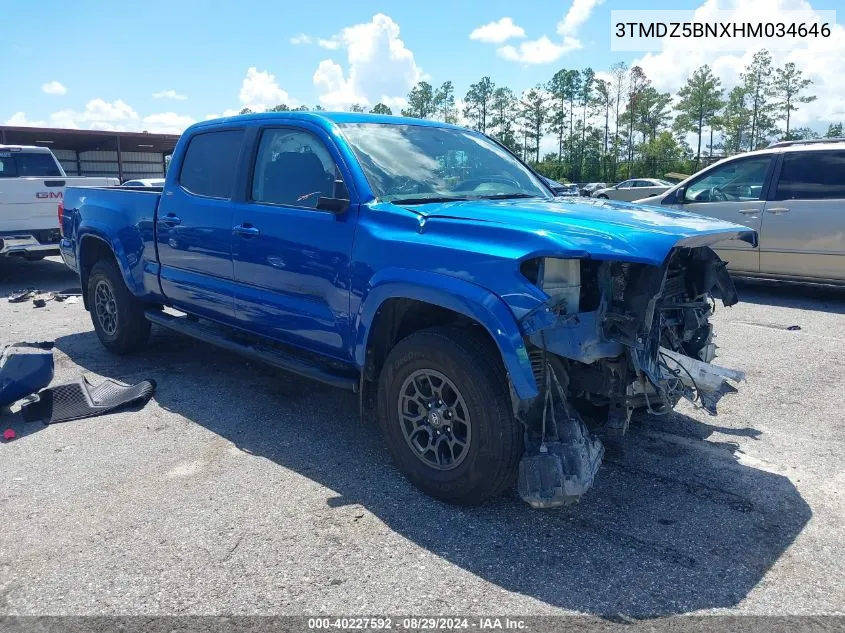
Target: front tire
x=445 y=411
x=117 y=315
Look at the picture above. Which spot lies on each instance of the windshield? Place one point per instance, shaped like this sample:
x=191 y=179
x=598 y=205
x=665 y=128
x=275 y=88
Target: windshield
x=411 y=164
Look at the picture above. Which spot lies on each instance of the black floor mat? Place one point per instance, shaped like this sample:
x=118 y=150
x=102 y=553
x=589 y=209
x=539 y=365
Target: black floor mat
x=81 y=399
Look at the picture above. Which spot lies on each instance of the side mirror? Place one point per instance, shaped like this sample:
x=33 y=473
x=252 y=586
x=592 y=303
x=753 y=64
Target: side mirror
x=678 y=197
x=332 y=205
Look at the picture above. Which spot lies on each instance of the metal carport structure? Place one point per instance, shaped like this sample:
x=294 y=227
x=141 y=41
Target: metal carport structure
x=97 y=152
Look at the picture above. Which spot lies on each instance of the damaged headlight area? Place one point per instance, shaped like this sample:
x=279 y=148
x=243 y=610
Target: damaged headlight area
x=614 y=337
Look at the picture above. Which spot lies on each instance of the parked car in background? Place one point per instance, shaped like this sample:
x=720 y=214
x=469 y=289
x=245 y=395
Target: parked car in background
x=633 y=189
x=561 y=190
x=145 y=182
x=447 y=288
x=32 y=184
x=792 y=193
x=588 y=189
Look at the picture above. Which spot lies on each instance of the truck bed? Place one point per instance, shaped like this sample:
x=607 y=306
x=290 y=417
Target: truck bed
x=87 y=208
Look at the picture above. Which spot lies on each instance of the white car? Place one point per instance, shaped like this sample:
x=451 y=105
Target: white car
x=145 y=182
x=32 y=184
x=633 y=189
x=792 y=193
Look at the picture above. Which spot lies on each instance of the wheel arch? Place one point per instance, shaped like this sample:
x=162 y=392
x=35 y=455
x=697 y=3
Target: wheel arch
x=403 y=301
x=93 y=248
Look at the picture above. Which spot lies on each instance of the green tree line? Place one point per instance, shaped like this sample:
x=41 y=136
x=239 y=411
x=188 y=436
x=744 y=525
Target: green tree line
x=619 y=125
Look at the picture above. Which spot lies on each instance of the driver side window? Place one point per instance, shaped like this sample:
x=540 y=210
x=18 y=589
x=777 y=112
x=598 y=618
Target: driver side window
x=736 y=181
x=294 y=168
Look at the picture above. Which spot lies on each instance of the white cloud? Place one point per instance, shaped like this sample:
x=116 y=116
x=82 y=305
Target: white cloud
x=820 y=59
x=98 y=115
x=542 y=50
x=167 y=123
x=336 y=91
x=53 y=88
x=260 y=91
x=497 y=32
x=379 y=66
x=329 y=44
x=225 y=113
x=169 y=94
x=576 y=17
x=539 y=51
x=19 y=119
x=304 y=38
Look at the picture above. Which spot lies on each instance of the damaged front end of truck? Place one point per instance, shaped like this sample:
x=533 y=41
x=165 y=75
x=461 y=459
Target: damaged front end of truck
x=612 y=338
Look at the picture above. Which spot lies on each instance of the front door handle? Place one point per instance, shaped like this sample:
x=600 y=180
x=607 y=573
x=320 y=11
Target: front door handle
x=246 y=230
x=749 y=211
x=171 y=220
x=778 y=210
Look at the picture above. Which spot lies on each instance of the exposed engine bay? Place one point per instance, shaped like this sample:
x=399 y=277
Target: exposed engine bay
x=614 y=337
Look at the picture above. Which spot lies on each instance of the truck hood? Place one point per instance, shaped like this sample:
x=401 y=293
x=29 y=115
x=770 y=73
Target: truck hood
x=604 y=229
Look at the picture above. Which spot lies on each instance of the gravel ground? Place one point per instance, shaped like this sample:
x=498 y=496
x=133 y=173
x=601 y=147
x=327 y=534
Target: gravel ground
x=240 y=489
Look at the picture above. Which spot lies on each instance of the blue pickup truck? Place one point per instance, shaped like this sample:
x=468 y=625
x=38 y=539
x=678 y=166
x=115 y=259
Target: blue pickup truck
x=495 y=332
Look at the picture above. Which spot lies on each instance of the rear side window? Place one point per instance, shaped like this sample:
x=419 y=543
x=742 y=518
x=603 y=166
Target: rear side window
x=210 y=163
x=812 y=176
x=33 y=165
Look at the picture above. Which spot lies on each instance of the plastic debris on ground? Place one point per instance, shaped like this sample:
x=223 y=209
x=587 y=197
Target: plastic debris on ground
x=24 y=369
x=81 y=399
x=19 y=296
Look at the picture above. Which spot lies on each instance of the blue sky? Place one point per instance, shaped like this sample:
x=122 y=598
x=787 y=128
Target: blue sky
x=108 y=60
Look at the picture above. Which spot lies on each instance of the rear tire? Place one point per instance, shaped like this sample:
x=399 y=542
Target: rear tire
x=602 y=197
x=472 y=382
x=117 y=315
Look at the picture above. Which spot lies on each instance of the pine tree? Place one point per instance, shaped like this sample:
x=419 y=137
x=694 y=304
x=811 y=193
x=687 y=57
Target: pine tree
x=787 y=85
x=444 y=103
x=478 y=103
x=380 y=108
x=699 y=100
x=756 y=81
x=420 y=101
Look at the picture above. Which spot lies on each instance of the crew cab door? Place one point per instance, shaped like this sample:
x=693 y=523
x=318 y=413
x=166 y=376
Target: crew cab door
x=804 y=220
x=194 y=226
x=291 y=259
x=733 y=191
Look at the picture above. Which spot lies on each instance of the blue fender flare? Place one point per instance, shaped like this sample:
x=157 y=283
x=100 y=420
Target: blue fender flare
x=134 y=281
x=457 y=295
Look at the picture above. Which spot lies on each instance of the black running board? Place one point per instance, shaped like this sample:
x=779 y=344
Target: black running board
x=215 y=336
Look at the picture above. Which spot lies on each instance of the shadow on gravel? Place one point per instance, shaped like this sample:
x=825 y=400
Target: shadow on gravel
x=47 y=275
x=674 y=523
x=787 y=295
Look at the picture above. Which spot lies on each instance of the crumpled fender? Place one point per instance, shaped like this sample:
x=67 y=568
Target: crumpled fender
x=457 y=295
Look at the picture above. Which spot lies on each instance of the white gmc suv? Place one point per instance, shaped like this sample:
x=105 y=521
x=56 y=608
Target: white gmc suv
x=32 y=183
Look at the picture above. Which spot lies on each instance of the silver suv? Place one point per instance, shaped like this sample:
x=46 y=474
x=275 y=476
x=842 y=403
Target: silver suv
x=792 y=193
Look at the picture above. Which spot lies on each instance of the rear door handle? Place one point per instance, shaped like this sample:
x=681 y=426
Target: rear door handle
x=749 y=211
x=778 y=210
x=246 y=230
x=171 y=220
